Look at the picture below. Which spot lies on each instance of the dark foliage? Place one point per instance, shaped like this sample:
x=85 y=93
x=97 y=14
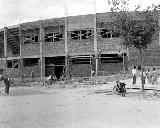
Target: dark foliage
x=137 y=28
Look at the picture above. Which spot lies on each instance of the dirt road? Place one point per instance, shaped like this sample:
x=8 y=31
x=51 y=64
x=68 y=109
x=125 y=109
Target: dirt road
x=77 y=108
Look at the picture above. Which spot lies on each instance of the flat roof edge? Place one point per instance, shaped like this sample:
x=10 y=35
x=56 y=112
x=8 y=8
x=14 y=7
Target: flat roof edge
x=10 y=27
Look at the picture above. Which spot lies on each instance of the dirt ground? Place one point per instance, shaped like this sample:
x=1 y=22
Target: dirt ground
x=94 y=107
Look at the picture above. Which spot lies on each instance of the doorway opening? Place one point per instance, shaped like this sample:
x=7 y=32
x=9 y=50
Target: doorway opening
x=58 y=71
x=54 y=65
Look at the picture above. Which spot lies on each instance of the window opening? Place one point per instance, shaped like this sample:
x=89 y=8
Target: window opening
x=111 y=58
x=115 y=34
x=86 y=34
x=58 y=36
x=34 y=38
x=9 y=64
x=75 y=35
x=31 y=62
x=15 y=64
x=105 y=33
x=30 y=39
x=49 y=37
x=27 y=39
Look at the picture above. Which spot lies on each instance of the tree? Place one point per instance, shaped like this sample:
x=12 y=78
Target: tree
x=135 y=27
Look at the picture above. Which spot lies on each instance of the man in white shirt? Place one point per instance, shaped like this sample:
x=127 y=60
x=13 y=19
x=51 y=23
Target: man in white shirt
x=134 y=75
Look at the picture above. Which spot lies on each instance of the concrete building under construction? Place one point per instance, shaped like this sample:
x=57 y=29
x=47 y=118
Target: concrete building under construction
x=75 y=44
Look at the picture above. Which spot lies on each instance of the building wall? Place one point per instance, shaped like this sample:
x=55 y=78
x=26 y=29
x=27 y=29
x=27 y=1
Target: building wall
x=32 y=72
x=80 y=46
x=28 y=72
x=53 y=29
x=9 y=52
x=110 y=44
x=33 y=48
x=30 y=49
x=80 y=22
x=74 y=46
x=80 y=70
x=106 y=69
x=50 y=48
x=12 y=72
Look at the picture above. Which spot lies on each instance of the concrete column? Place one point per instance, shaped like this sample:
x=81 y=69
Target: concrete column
x=66 y=35
x=159 y=30
x=20 y=45
x=42 y=59
x=95 y=44
x=5 y=46
x=66 y=48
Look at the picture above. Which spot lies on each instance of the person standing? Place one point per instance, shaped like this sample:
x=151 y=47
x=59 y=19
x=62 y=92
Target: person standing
x=134 y=75
x=154 y=76
x=7 y=84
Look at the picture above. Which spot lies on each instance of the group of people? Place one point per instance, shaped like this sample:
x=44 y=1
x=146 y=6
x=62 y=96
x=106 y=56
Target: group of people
x=150 y=75
x=51 y=79
x=6 y=80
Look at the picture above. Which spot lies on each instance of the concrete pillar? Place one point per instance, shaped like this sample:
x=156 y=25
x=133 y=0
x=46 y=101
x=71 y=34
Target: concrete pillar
x=66 y=48
x=95 y=45
x=159 y=30
x=5 y=46
x=20 y=55
x=66 y=35
x=42 y=59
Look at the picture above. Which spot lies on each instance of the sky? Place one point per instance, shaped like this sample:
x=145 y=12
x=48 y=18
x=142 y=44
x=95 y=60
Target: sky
x=13 y=12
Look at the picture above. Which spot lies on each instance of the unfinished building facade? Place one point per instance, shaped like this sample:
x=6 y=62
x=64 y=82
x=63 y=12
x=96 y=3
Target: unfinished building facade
x=78 y=44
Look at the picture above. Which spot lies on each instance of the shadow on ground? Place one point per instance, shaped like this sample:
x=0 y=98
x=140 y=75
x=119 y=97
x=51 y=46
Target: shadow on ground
x=22 y=92
x=133 y=93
